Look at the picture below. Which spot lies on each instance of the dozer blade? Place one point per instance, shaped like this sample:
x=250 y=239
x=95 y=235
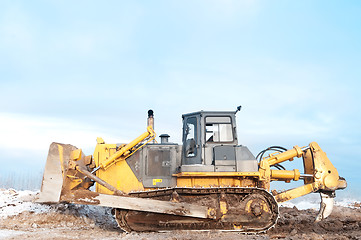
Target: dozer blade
x=53 y=178
x=57 y=187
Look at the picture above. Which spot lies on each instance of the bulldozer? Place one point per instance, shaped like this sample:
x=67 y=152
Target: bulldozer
x=209 y=182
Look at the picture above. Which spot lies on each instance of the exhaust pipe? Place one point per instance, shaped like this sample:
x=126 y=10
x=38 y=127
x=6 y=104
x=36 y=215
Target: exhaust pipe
x=150 y=120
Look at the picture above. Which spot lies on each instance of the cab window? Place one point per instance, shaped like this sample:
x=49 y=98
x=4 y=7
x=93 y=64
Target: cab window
x=219 y=129
x=190 y=136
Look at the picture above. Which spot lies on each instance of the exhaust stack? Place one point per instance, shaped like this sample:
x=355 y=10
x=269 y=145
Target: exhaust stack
x=150 y=120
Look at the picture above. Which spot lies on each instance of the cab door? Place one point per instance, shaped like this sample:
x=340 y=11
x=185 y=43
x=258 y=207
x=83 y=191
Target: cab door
x=191 y=141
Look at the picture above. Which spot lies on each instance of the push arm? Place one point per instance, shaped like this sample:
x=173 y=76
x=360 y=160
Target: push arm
x=124 y=152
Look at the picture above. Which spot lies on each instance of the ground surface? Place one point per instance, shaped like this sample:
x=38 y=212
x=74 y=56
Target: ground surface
x=64 y=221
x=344 y=223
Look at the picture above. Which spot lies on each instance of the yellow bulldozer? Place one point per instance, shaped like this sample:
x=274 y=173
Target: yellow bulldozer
x=210 y=182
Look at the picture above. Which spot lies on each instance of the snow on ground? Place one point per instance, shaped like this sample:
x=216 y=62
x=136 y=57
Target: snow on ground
x=13 y=202
x=9 y=233
x=312 y=201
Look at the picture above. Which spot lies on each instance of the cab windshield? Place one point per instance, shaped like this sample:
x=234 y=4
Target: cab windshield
x=219 y=129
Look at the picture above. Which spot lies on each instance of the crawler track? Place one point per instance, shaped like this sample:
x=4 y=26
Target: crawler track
x=249 y=210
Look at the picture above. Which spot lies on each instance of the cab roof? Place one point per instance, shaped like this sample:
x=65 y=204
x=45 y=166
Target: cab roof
x=231 y=113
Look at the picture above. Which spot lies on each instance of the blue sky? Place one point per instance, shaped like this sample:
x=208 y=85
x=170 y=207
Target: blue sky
x=71 y=71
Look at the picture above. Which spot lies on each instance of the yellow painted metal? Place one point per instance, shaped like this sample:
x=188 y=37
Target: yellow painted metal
x=61 y=157
x=76 y=154
x=118 y=174
x=285 y=175
x=155 y=181
x=265 y=174
x=324 y=171
x=73 y=181
x=113 y=169
x=308 y=166
x=216 y=174
x=279 y=157
x=217 y=179
x=124 y=152
x=237 y=227
x=296 y=192
x=316 y=163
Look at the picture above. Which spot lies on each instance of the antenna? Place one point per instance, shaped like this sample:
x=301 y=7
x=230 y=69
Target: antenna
x=238 y=109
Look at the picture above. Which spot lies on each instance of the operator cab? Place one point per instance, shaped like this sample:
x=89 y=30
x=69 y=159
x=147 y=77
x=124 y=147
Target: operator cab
x=210 y=144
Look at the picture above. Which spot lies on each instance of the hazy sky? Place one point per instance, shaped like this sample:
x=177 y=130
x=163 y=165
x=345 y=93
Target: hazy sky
x=71 y=71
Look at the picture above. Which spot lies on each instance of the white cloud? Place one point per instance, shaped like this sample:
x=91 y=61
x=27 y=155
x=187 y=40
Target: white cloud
x=30 y=133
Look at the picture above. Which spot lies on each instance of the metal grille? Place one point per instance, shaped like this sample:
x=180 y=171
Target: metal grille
x=158 y=162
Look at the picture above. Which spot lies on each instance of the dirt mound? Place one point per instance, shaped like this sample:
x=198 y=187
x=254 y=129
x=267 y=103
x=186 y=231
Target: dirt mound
x=343 y=223
x=62 y=215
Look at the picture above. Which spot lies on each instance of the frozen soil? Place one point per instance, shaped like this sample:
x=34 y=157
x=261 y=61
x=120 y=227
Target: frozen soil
x=21 y=219
x=73 y=222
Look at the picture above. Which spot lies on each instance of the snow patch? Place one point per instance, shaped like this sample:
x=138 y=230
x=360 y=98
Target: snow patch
x=348 y=202
x=313 y=202
x=4 y=233
x=13 y=202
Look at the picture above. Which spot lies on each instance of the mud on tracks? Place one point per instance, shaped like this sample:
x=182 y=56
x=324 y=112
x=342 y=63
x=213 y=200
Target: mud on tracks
x=67 y=221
